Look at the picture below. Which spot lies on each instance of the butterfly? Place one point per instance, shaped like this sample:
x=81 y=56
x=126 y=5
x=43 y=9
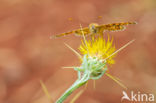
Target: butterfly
x=94 y=28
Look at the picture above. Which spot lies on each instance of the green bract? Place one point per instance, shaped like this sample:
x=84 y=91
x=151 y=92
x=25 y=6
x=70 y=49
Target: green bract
x=91 y=68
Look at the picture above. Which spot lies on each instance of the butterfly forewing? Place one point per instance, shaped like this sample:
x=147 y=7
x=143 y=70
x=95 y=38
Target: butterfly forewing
x=114 y=26
x=84 y=31
x=77 y=32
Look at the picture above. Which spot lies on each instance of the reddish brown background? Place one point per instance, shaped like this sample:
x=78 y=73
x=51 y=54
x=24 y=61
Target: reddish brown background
x=28 y=55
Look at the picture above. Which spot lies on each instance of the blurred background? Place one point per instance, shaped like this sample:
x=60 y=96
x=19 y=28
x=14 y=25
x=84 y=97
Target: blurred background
x=28 y=55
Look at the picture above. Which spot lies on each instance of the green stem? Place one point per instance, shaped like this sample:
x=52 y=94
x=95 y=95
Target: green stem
x=77 y=84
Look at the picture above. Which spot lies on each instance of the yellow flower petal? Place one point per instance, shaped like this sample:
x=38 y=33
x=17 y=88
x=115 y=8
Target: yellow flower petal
x=99 y=48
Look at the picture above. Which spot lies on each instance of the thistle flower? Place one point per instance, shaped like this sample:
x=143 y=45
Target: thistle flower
x=97 y=53
x=99 y=48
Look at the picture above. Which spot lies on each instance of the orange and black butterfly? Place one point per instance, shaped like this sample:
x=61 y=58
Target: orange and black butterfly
x=94 y=28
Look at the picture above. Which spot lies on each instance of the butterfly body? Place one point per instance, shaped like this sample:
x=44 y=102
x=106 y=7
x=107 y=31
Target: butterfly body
x=94 y=28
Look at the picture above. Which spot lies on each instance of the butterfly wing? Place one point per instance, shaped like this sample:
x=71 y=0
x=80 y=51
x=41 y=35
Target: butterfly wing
x=80 y=32
x=62 y=34
x=114 y=26
x=77 y=32
x=100 y=29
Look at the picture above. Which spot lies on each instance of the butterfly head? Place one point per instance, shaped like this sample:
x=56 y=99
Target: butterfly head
x=93 y=28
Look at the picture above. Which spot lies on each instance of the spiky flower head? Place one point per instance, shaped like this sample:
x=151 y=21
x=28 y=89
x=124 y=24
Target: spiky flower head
x=99 y=48
x=97 y=53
